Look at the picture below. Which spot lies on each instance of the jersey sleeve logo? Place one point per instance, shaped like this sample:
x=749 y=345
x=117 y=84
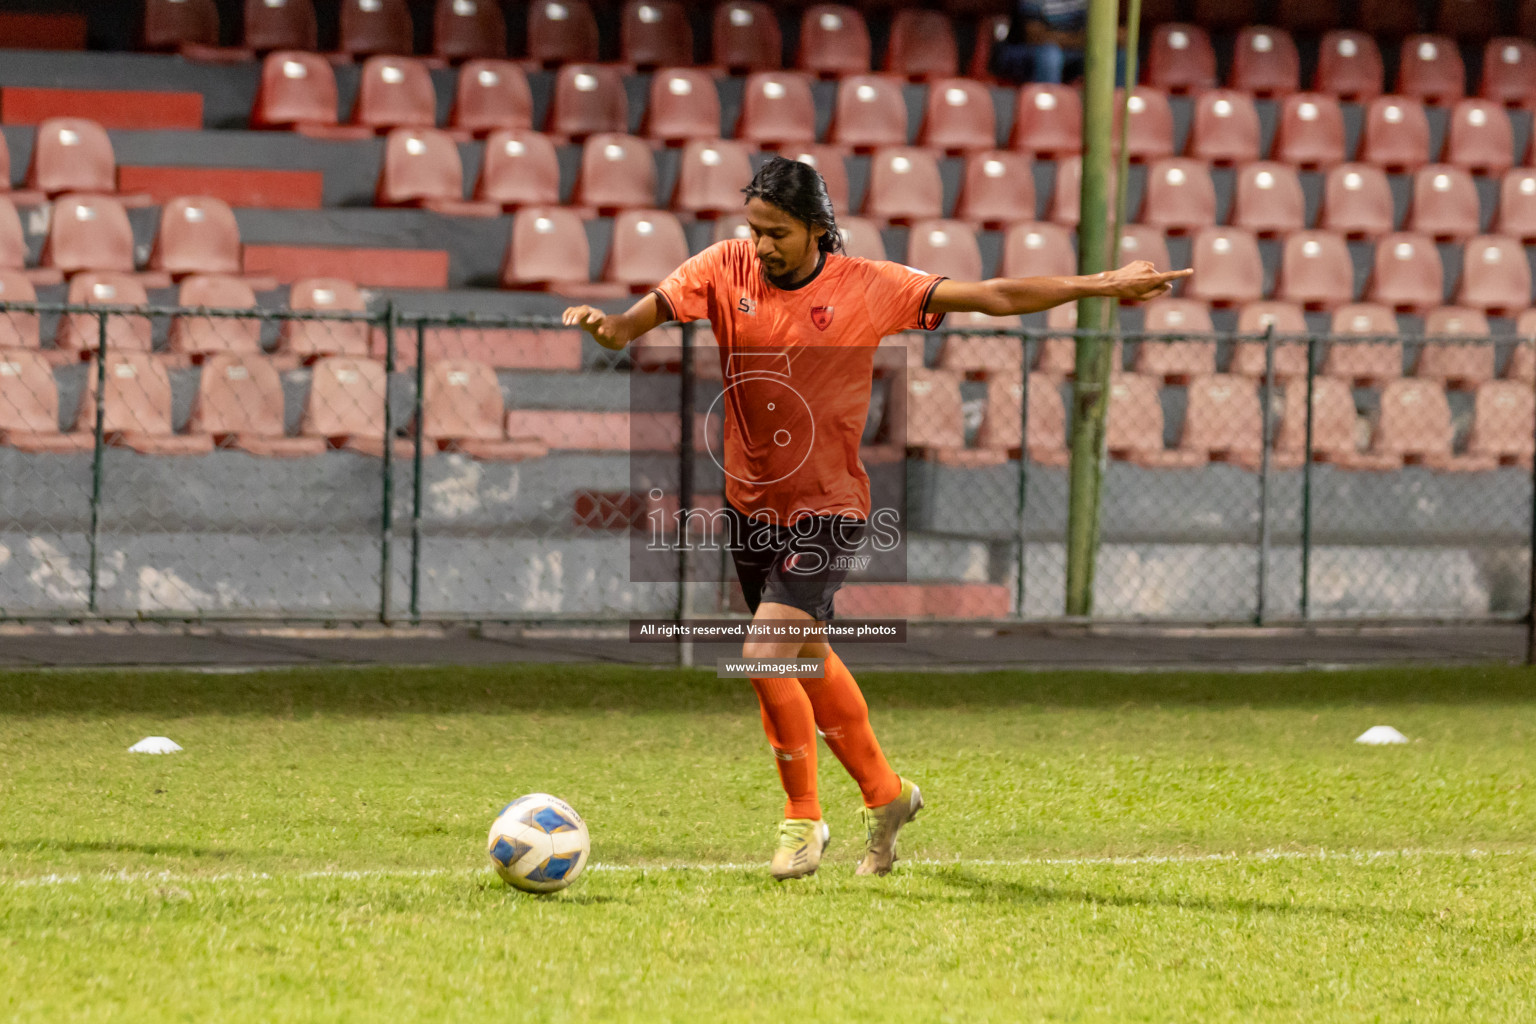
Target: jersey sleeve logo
x=821 y=316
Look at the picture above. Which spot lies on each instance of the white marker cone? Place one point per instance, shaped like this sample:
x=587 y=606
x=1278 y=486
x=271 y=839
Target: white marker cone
x=154 y=745
x=1380 y=736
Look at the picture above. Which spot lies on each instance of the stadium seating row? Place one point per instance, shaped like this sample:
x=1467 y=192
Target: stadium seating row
x=240 y=405
x=833 y=40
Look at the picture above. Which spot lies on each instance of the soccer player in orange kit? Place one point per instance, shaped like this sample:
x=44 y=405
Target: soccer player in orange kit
x=789 y=289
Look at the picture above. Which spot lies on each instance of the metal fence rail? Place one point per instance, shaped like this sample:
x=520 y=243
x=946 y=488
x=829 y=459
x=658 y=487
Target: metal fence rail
x=200 y=464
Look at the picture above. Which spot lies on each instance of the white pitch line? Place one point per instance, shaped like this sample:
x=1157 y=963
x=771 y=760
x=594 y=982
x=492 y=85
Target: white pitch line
x=1256 y=856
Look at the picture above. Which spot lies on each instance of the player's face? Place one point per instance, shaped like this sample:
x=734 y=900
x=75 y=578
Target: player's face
x=786 y=245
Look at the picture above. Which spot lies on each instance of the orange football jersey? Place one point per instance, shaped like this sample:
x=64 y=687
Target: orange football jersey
x=797 y=366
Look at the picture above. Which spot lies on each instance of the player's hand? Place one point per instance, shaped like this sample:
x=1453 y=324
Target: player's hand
x=1139 y=281
x=595 y=322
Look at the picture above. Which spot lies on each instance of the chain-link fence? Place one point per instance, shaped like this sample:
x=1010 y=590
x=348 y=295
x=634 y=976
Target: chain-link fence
x=202 y=463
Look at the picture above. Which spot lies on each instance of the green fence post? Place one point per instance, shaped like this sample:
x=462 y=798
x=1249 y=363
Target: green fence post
x=386 y=519
x=421 y=376
x=98 y=455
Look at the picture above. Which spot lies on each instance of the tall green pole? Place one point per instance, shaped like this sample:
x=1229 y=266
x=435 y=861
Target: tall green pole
x=1090 y=388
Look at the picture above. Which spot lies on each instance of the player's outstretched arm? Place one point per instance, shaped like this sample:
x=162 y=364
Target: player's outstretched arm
x=615 y=330
x=1007 y=296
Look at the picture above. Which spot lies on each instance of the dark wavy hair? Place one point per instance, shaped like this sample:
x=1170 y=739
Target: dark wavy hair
x=797 y=189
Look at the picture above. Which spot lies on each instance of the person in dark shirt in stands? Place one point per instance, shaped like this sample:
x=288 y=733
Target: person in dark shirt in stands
x=1045 y=43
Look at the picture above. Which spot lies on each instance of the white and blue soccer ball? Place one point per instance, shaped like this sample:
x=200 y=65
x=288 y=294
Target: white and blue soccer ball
x=539 y=843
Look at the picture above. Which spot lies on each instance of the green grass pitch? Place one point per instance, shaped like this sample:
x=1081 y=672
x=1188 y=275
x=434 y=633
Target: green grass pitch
x=1096 y=847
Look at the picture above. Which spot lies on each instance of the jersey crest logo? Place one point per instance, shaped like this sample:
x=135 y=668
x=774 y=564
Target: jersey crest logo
x=821 y=316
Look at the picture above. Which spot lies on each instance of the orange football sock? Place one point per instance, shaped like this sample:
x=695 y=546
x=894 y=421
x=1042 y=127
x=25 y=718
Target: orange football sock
x=843 y=717
x=791 y=728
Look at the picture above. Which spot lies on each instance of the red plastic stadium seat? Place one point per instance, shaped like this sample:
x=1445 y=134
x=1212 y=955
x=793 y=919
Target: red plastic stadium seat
x=29 y=407
x=280 y=25
x=1517 y=205
x=1349 y=67
x=297 y=91
x=777 y=110
x=547 y=249
x=422 y=167
x=395 y=92
x=998 y=189
x=491 y=94
x=1462 y=366
x=1134 y=430
x=929 y=405
x=81 y=332
x=346 y=405
x=1311 y=131
x=617 y=172
x=1038 y=250
x=684 y=105
x=1223 y=421
x=1180 y=59
x=196 y=335
x=1057 y=358
x=1176 y=360
x=1048 y=121
x=198 y=235
x=1225 y=128
x=647 y=246
x=1503 y=417
x=861 y=238
x=1150 y=136
x=240 y=405
x=1221 y=14
x=959 y=117
x=1415 y=425
x=136 y=408
x=981 y=354
x=71 y=154
x=904 y=185
x=1180 y=196
x=1357 y=201
x=1396 y=135
x=828 y=161
x=1467 y=19
x=370 y=27
x=1228 y=269
x=1315 y=270
x=870 y=113
x=565 y=32
x=1001 y=422
x=746 y=37
x=1495 y=276
x=1268 y=200
x=172 y=24
x=463 y=411
x=1066 y=200
x=1444 y=204
x=946 y=247
x=589 y=98
x=89 y=232
x=462 y=29
x=1407 y=275
x=833 y=41
x=1142 y=242
x=1509 y=72
x=17 y=329
x=922 y=45
x=710 y=176
x=13 y=250
x=309 y=338
x=1430 y=69
x=1290 y=358
x=1265 y=62
x=1364 y=362
x=652 y=34
x=1387 y=17
x=1480 y=138
x=1334 y=419
x=519 y=169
